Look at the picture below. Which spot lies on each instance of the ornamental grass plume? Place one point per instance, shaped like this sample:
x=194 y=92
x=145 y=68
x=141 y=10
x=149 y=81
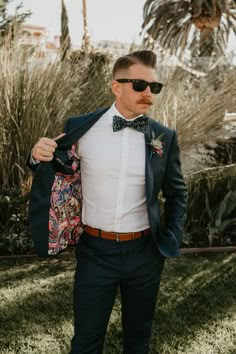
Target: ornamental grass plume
x=36 y=98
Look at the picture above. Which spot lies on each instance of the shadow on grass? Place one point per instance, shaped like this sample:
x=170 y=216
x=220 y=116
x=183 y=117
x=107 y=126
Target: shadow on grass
x=201 y=294
x=38 y=303
x=195 y=292
x=11 y=273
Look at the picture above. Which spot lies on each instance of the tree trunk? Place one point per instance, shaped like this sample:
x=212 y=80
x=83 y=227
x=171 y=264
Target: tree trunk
x=86 y=40
x=65 y=42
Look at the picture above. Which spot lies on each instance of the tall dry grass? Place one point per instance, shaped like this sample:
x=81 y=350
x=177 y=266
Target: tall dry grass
x=35 y=99
x=196 y=106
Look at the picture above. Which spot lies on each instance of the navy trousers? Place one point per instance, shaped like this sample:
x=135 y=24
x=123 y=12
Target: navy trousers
x=102 y=266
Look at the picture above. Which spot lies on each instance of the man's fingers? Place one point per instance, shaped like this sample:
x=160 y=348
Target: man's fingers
x=46 y=141
x=45 y=148
x=44 y=158
x=46 y=153
x=42 y=154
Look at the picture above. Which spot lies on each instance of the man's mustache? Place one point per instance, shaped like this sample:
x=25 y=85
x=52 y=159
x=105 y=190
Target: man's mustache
x=145 y=101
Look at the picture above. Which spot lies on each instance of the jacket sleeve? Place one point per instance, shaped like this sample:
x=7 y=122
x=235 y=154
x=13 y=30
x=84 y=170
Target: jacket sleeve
x=31 y=164
x=175 y=194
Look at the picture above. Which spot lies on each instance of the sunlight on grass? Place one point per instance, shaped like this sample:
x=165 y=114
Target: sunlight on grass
x=197 y=294
x=195 y=312
x=36 y=307
x=217 y=341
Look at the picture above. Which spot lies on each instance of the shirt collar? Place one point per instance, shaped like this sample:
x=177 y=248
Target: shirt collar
x=113 y=111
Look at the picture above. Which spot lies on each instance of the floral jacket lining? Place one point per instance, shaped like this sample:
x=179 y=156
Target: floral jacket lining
x=65 y=224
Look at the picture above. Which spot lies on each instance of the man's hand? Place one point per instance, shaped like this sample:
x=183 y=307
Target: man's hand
x=44 y=149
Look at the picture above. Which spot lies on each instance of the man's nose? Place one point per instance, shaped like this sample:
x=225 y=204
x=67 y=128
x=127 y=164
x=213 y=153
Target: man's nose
x=147 y=91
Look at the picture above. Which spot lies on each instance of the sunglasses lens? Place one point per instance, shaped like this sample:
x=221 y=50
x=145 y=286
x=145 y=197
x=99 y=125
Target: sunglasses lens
x=140 y=85
x=155 y=87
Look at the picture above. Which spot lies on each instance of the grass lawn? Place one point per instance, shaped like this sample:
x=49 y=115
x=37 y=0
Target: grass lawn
x=196 y=312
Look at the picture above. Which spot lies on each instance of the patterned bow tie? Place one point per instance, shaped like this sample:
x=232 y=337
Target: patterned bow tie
x=140 y=124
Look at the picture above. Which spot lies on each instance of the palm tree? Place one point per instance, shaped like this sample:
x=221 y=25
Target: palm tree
x=202 y=26
x=8 y=23
x=86 y=39
x=65 y=42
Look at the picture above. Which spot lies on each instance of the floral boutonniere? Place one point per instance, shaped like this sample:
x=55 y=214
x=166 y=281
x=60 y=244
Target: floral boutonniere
x=157 y=146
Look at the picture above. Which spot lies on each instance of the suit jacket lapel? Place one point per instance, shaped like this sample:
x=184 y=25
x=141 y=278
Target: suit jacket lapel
x=84 y=124
x=148 y=167
x=152 y=169
x=65 y=143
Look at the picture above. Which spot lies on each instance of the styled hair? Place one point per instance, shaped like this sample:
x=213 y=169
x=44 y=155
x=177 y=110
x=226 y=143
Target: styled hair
x=145 y=57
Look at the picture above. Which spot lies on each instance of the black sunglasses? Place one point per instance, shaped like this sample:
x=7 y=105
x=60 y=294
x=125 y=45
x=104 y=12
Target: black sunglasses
x=141 y=85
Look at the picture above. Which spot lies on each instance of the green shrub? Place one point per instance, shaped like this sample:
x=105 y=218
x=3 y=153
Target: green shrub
x=14 y=227
x=36 y=97
x=211 y=206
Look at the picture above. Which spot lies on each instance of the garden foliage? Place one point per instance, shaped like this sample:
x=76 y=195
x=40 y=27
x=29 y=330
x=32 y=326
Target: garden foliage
x=38 y=96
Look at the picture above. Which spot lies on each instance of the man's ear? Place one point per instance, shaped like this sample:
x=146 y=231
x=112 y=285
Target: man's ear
x=115 y=86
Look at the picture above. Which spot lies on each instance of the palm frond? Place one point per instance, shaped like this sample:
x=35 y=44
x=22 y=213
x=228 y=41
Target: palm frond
x=169 y=23
x=195 y=103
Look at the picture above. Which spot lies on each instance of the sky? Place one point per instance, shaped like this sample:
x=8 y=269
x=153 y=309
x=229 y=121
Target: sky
x=117 y=20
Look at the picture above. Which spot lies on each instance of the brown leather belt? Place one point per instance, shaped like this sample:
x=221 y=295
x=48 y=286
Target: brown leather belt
x=116 y=236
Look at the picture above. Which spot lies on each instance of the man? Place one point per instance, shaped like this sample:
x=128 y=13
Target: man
x=123 y=169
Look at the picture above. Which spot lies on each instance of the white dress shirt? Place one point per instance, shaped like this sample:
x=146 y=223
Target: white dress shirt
x=113 y=177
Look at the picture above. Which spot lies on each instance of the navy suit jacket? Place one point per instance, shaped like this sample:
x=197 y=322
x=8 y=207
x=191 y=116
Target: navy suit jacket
x=162 y=174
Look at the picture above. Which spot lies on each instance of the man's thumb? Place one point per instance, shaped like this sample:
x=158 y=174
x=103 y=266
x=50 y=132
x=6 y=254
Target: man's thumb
x=59 y=136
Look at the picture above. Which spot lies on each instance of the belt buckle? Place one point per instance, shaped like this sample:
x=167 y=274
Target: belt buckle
x=117 y=237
